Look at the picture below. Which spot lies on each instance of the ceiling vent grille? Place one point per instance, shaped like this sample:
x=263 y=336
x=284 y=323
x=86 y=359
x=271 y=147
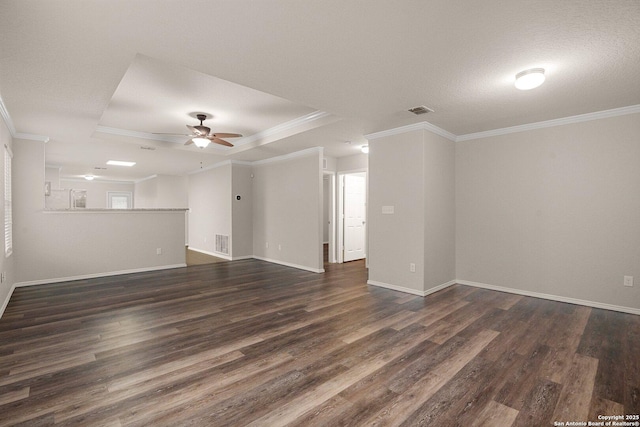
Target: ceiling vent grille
x=146 y=147
x=420 y=110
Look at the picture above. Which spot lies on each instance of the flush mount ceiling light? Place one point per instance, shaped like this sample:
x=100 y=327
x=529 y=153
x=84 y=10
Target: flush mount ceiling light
x=89 y=177
x=120 y=163
x=529 y=79
x=365 y=149
x=200 y=142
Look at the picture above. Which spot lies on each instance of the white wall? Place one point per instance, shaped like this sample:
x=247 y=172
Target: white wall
x=52 y=174
x=145 y=193
x=52 y=246
x=96 y=190
x=414 y=173
x=6 y=263
x=326 y=187
x=356 y=162
x=553 y=211
x=398 y=239
x=162 y=191
x=241 y=211
x=287 y=210
x=209 y=207
x=439 y=211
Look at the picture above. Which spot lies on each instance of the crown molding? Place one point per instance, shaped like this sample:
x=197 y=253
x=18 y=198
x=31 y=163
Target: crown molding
x=282 y=127
x=303 y=120
x=136 y=134
x=615 y=112
x=301 y=153
x=97 y=180
x=7 y=118
x=552 y=123
x=12 y=130
x=410 y=128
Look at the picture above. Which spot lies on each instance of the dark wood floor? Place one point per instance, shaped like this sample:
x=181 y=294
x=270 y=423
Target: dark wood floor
x=248 y=342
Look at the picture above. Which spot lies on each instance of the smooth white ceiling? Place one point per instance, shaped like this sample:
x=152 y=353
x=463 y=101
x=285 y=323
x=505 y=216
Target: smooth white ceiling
x=362 y=62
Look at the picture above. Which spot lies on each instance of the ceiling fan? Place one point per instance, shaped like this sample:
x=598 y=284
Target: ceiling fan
x=201 y=135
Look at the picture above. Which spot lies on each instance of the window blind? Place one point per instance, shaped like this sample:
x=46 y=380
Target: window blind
x=8 y=207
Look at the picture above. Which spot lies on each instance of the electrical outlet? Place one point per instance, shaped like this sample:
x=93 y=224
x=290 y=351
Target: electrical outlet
x=158 y=251
x=628 y=281
x=279 y=247
x=412 y=267
x=267 y=245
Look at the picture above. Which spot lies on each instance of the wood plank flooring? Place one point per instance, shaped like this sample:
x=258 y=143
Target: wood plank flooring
x=253 y=343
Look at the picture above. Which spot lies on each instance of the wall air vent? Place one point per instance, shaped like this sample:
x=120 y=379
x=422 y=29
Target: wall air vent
x=420 y=110
x=222 y=244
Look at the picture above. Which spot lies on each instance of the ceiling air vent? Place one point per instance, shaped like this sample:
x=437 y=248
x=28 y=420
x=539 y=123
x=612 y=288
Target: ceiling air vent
x=146 y=147
x=100 y=168
x=420 y=110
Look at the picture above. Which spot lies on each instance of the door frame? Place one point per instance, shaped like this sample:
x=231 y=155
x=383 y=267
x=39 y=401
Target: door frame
x=340 y=214
x=332 y=214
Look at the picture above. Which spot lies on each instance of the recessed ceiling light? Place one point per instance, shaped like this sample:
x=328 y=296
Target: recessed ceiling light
x=89 y=177
x=365 y=149
x=529 y=79
x=200 y=142
x=120 y=163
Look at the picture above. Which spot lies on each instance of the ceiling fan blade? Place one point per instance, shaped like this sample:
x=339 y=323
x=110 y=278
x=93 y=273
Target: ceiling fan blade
x=197 y=132
x=176 y=134
x=227 y=135
x=221 y=141
x=189 y=142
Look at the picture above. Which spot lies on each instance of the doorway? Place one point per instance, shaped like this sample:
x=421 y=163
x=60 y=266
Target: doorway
x=352 y=230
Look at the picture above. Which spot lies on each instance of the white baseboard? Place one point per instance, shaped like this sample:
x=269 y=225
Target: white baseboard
x=594 y=304
x=96 y=275
x=409 y=290
x=6 y=301
x=288 y=264
x=219 y=255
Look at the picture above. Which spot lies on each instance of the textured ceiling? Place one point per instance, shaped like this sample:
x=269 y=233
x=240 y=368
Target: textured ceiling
x=365 y=62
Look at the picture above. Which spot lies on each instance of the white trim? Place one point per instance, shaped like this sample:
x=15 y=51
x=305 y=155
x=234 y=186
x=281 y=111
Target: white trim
x=219 y=255
x=291 y=124
x=410 y=290
x=5 y=304
x=301 y=153
x=288 y=264
x=409 y=128
x=7 y=118
x=96 y=179
x=12 y=130
x=97 y=275
x=31 y=137
x=220 y=164
x=558 y=298
x=631 y=109
x=552 y=123
x=282 y=127
x=142 y=135
x=138 y=181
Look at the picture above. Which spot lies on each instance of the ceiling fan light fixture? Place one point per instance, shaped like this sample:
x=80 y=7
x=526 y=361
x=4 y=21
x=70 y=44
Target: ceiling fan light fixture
x=530 y=79
x=200 y=142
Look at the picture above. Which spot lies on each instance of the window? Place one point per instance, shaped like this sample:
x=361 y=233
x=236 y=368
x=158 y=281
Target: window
x=119 y=200
x=8 y=207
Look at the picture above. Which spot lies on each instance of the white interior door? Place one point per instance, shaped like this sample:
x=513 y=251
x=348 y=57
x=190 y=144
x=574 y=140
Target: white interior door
x=355 y=196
